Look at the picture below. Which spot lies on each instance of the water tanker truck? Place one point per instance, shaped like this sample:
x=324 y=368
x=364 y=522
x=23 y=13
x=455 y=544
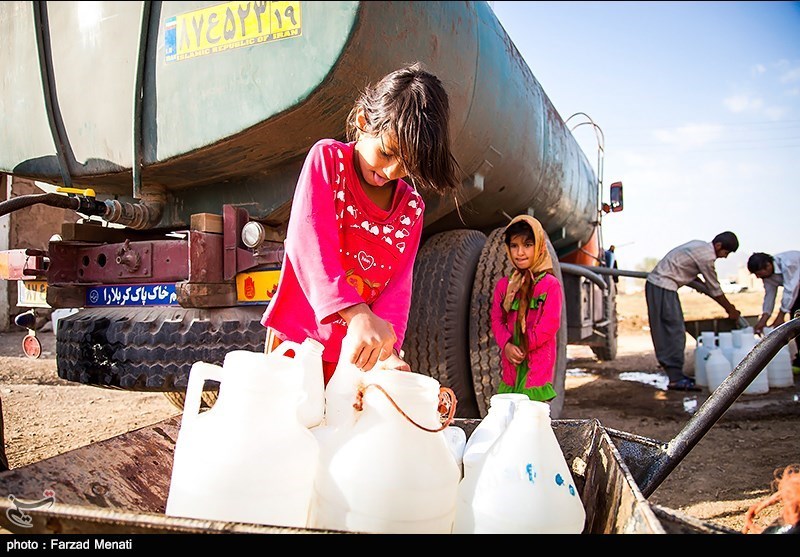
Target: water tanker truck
x=176 y=132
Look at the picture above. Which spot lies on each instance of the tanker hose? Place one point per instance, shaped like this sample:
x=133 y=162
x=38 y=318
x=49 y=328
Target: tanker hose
x=135 y=215
x=139 y=216
x=51 y=199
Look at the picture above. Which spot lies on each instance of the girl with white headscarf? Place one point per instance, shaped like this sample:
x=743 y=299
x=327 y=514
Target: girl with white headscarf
x=526 y=313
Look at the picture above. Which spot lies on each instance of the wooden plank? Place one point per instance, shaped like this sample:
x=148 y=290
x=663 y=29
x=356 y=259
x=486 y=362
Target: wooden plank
x=206 y=222
x=92 y=233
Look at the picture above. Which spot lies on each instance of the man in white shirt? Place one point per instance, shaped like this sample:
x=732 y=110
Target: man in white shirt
x=678 y=268
x=781 y=269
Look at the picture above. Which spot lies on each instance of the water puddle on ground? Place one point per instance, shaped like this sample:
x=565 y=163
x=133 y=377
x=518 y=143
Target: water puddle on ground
x=660 y=382
x=657 y=380
x=578 y=372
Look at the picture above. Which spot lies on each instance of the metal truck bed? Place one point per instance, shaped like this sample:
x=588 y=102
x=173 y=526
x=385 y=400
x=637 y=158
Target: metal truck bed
x=120 y=485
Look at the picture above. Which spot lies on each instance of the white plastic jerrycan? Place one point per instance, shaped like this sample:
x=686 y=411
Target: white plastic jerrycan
x=725 y=343
x=501 y=410
x=309 y=360
x=524 y=485
x=340 y=393
x=760 y=383
x=248 y=458
x=389 y=470
x=779 y=369
x=457 y=441
x=705 y=342
x=718 y=368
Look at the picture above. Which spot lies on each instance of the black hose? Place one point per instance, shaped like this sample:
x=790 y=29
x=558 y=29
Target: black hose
x=51 y=199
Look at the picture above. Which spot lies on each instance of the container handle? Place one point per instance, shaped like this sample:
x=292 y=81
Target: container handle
x=198 y=375
x=446 y=406
x=284 y=347
x=280 y=351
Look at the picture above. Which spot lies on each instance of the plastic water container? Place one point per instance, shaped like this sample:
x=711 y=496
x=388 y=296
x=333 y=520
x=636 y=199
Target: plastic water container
x=457 y=441
x=736 y=338
x=779 y=369
x=390 y=470
x=701 y=354
x=248 y=458
x=501 y=410
x=760 y=383
x=340 y=393
x=312 y=409
x=725 y=342
x=718 y=368
x=524 y=485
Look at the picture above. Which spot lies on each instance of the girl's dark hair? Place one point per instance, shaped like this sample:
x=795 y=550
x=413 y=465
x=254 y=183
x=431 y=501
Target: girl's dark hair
x=519 y=228
x=413 y=104
x=758 y=261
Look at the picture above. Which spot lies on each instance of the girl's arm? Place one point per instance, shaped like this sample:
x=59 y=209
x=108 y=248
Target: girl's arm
x=499 y=329
x=312 y=238
x=550 y=319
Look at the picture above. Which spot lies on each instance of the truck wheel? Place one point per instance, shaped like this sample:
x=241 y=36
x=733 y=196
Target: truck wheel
x=151 y=349
x=607 y=350
x=436 y=342
x=484 y=352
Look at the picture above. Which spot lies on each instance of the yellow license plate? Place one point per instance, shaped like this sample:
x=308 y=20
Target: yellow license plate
x=32 y=293
x=229 y=25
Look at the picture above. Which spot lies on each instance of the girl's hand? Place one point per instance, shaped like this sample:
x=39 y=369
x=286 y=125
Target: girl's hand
x=514 y=353
x=393 y=362
x=374 y=337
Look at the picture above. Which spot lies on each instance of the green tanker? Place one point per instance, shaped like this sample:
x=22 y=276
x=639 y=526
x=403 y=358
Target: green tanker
x=185 y=124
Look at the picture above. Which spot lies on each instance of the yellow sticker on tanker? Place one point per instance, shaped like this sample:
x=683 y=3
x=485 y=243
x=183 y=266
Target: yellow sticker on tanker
x=257 y=287
x=230 y=25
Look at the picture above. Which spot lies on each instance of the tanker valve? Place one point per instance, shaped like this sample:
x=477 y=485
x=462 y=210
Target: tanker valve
x=87 y=202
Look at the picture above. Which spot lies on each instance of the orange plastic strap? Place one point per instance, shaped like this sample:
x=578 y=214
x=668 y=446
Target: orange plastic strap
x=446 y=408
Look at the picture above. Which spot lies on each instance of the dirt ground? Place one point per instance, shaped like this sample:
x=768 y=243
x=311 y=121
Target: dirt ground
x=729 y=470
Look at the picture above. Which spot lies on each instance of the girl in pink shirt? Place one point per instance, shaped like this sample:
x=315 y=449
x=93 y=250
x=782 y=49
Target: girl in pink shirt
x=356 y=223
x=526 y=313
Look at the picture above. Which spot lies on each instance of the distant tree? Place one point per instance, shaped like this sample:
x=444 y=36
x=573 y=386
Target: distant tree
x=647 y=264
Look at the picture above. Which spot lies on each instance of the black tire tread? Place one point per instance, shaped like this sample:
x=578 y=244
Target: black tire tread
x=437 y=336
x=151 y=349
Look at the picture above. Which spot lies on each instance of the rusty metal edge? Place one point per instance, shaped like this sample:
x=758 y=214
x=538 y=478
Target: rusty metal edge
x=75 y=519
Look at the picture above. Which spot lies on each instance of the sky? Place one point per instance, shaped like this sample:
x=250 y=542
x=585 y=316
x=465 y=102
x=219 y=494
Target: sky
x=699 y=107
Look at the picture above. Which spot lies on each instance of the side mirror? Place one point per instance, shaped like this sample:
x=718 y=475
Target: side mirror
x=616 y=197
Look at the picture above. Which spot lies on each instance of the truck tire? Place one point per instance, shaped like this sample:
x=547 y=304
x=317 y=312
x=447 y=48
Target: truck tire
x=436 y=342
x=153 y=348
x=607 y=349
x=484 y=352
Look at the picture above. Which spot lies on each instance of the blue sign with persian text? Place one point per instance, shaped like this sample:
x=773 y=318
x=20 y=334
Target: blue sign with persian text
x=132 y=295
